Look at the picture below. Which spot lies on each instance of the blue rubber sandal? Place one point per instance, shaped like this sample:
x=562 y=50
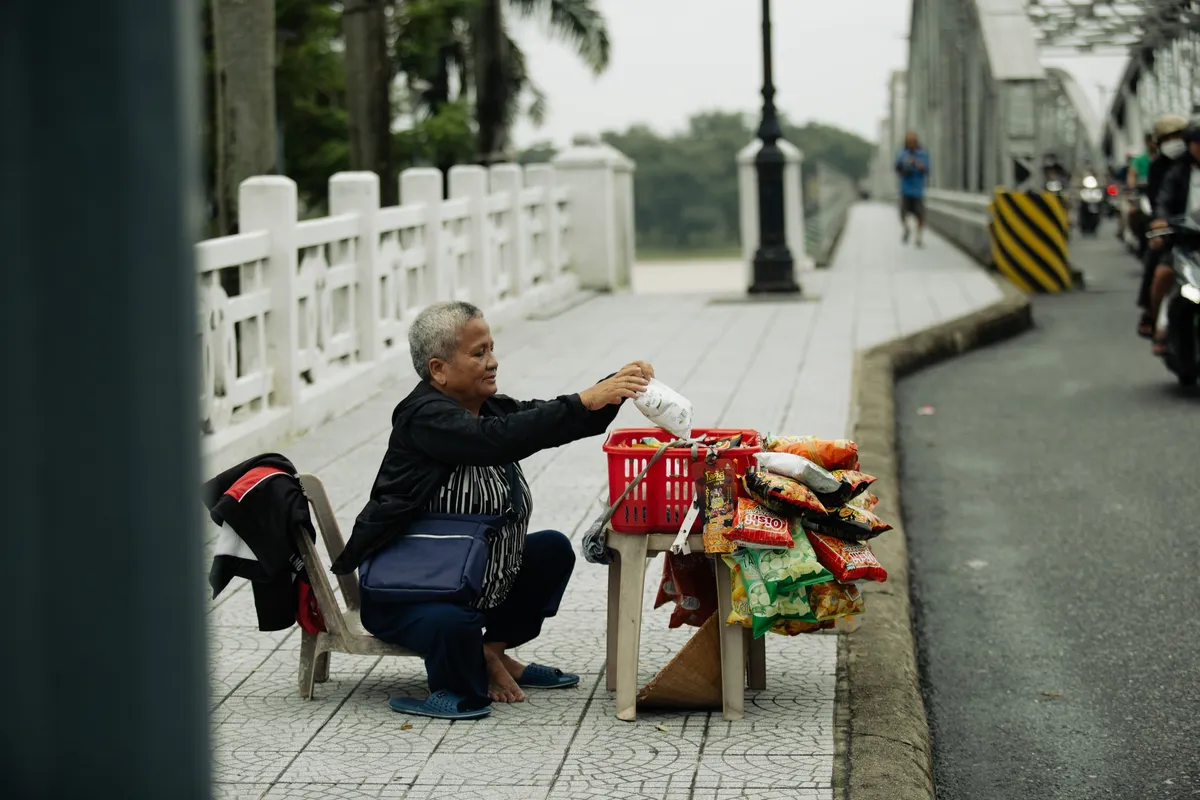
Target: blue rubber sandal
x=439 y=705
x=537 y=676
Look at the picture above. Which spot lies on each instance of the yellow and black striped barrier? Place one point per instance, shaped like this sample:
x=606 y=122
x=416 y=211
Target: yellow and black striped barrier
x=1029 y=240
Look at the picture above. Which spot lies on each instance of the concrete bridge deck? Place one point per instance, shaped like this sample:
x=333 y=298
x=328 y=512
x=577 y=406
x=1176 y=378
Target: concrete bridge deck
x=772 y=366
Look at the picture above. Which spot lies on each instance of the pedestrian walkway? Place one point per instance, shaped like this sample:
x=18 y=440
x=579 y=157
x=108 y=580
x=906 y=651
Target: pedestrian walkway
x=774 y=366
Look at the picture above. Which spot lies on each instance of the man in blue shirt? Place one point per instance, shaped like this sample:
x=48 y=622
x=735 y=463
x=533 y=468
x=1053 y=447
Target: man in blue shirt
x=912 y=165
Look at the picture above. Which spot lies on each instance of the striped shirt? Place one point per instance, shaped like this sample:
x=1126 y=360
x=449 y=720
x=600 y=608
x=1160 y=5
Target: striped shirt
x=484 y=490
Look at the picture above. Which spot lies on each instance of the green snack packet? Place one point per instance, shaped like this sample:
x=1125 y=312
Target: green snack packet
x=785 y=571
x=766 y=610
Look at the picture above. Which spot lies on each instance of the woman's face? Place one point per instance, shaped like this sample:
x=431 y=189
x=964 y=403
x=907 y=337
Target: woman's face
x=470 y=376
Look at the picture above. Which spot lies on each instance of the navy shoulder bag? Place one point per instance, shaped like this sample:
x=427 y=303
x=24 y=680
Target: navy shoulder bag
x=441 y=558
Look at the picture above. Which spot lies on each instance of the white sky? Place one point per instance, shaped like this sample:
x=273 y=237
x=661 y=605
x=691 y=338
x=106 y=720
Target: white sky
x=673 y=58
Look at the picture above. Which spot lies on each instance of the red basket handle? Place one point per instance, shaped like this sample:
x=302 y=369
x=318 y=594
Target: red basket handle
x=594 y=539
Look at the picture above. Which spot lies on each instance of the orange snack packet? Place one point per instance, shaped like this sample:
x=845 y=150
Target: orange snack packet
x=830 y=454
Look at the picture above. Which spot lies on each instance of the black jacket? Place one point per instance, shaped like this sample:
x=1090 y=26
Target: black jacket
x=432 y=435
x=1172 y=198
x=262 y=501
x=1159 y=168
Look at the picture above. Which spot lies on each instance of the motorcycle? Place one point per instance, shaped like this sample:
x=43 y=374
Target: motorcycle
x=1179 y=315
x=1113 y=203
x=1091 y=196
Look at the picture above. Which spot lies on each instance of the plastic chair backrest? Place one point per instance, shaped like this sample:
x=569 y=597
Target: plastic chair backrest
x=331 y=534
x=326 y=599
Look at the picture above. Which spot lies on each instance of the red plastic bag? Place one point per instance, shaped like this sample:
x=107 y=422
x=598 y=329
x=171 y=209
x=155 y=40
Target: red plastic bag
x=758 y=526
x=666 y=586
x=848 y=561
x=308 y=610
x=688 y=580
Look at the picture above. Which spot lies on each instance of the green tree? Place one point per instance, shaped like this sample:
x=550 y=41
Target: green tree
x=450 y=50
x=686 y=185
x=846 y=152
x=499 y=69
x=311 y=85
x=310 y=115
x=538 y=153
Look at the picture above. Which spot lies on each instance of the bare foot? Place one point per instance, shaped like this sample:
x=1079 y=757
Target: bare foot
x=502 y=688
x=514 y=667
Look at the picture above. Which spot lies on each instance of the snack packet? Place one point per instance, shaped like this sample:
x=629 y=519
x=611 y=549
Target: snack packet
x=666 y=586
x=866 y=501
x=833 y=600
x=827 y=453
x=757 y=526
x=717 y=484
x=721 y=444
x=831 y=488
x=752 y=602
x=740 y=611
x=795 y=627
x=798 y=468
x=688 y=580
x=666 y=408
x=787 y=571
x=848 y=561
x=853 y=483
x=850 y=523
x=782 y=495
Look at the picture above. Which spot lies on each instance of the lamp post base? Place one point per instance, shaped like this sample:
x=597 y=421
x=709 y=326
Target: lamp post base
x=774 y=272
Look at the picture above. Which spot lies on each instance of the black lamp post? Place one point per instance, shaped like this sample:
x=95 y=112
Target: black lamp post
x=773 y=266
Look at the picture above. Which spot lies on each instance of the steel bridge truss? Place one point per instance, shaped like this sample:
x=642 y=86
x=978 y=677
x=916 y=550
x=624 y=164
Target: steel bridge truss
x=1098 y=26
x=1161 y=78
x=977 y=94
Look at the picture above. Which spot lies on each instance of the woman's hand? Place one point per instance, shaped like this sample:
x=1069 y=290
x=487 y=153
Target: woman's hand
x=640 y=368
x=625 y=385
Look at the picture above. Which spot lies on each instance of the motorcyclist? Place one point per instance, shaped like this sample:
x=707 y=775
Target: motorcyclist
x=1168 y=135
x=1053 y=171
x=1139 y=163
x=1175 y=198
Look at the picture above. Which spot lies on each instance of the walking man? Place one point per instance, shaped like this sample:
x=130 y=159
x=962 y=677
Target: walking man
x=912 y=165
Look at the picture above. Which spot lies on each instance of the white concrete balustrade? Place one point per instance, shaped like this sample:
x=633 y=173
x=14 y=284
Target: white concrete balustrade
x=301 y=320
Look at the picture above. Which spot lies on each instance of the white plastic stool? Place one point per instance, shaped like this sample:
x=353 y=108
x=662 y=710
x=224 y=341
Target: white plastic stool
x=626 y=587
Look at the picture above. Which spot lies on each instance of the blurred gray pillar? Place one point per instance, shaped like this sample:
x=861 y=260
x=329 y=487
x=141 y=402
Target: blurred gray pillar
x=103 y=657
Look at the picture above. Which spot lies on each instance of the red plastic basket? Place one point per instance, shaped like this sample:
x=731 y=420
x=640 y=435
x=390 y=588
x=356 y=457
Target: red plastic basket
x=660 y=502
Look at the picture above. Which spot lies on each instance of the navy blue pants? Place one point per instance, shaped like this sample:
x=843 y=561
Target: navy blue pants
x=451 y=637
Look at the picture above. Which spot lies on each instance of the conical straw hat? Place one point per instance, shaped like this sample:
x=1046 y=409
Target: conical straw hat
x=692 y=679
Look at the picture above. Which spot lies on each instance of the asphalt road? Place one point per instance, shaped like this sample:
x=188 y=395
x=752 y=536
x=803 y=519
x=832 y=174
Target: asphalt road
x=1052 y=501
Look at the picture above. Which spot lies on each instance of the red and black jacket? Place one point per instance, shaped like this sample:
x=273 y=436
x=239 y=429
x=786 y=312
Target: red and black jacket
x=260 y=505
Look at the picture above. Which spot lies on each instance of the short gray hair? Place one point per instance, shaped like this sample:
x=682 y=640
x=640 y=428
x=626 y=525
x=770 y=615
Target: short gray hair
x=434 y=333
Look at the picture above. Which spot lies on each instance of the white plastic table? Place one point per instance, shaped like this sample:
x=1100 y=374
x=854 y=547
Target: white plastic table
x=743 y=658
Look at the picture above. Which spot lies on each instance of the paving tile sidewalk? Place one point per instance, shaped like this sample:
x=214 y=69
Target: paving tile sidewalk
x=774 y=367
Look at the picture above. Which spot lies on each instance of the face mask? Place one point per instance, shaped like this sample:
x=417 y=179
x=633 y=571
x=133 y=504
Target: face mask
x=1173 y=149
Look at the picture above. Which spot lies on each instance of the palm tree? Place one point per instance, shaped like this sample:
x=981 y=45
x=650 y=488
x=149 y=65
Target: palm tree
x=499 y=67
x=453 y=49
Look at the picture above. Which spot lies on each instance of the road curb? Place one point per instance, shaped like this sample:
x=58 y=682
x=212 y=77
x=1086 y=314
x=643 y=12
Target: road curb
x=885 y=747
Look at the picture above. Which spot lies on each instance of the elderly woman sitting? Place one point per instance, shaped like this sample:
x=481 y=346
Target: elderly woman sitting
x=452 y=443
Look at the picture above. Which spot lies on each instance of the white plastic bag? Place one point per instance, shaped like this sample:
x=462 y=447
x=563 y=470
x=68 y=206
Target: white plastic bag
x=799 y=469
x=666 y=408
